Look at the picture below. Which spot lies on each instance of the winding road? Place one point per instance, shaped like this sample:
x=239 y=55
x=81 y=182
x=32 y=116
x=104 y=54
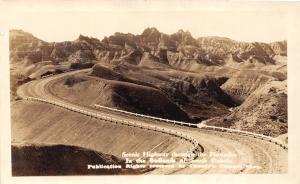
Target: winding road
x=271 y=158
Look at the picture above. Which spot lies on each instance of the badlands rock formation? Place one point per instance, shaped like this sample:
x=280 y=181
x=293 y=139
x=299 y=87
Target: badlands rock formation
x=239 y=84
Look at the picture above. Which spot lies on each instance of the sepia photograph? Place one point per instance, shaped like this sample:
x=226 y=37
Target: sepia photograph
x=106 y=93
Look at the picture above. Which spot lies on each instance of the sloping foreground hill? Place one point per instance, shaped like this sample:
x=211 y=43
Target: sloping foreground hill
x=47 y=140
x=40 y=123
x=59 y=159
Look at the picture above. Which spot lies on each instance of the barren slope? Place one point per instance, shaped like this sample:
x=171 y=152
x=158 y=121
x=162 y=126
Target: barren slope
x=35 y=122
x=162 y=92
x=243 y=83
x=123 y=95
x=264 y=111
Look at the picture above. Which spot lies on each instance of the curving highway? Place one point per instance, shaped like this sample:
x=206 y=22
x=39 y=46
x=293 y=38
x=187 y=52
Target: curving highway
x=248 y=150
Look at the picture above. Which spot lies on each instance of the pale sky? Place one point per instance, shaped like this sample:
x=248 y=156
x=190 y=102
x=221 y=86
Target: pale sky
x=263 y=26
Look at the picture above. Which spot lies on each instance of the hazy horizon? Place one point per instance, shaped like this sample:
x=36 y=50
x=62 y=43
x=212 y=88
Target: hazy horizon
x=255 y=26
